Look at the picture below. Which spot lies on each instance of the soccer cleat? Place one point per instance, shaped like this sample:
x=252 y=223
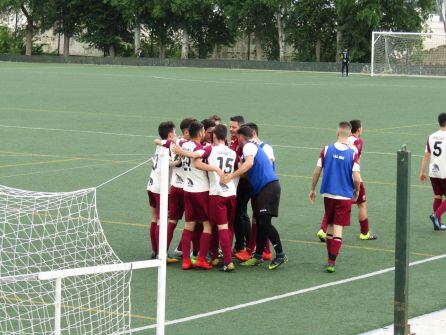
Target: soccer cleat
x=330 y=268
x=171 y=260
x=187 y=264
x=436 y=222
x=367 y=237
x=267 y=256
x=321 y=235
x=202 y=264
x=243 y=255
x=177 y=253
x=252 y=262
x=228 y=267
x=153 y=255
x=278 y=261
x=193 y=259
x=216 y=262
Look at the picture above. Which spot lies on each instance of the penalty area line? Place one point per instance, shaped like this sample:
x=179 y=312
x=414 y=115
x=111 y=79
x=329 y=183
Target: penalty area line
x=286 y=295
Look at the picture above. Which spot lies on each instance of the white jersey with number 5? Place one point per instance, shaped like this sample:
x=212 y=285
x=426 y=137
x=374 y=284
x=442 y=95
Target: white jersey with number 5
x=436 y=146
x=226 y=160
x=154 y=183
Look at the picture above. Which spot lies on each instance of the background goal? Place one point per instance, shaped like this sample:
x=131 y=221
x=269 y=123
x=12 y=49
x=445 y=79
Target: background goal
x=408 y=54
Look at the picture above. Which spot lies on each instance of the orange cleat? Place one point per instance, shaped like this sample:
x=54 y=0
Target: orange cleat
x=243 y=255
x=202 y=264
x=267 y=256
x=187 y=264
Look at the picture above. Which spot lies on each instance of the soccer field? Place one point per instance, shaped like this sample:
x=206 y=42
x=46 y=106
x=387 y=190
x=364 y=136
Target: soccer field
x=68 y=127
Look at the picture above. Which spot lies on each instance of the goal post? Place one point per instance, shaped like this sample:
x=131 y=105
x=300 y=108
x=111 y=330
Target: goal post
x=408 y=54
x=58 y=273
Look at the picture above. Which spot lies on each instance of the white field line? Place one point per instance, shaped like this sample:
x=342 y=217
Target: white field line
x=151 y=136
x=284 y=296
x=76 y=131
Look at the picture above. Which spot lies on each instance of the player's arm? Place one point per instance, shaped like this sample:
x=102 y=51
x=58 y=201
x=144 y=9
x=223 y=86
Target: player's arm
x=316 y=175
x=245 y=167
x=422 y=176
x=357 y=183
x=181 y=152
x=200 y=165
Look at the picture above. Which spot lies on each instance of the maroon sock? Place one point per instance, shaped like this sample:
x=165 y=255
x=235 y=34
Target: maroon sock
x=328 y=240
x=334 y=252
x=153 y=226
x=186 y=238
x=157 y=237
x=196 y=238
x=324 y=223
x=205 y=243
x=170 y=230
x=253 y=238
x=364 y=226
x=267 y=247
x=441 y=209
x=214 y=243
x=436 y=204
x=224 y=237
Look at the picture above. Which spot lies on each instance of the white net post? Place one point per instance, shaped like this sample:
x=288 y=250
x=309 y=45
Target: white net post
x=408 y=54
x=162 y=253
x=57 y=306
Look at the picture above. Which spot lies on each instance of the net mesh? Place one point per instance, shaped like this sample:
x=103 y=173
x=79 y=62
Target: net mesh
x=409 y=54
x=54 y=231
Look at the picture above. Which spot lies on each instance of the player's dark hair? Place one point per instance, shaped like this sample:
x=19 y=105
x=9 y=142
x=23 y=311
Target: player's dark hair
x=186 y=122
x=442 y=120
x=220 y=132
x=208 y=123
x=165 y=128
x=253 y=126
x=246 y=131
x=356 y=124
x=195 y=128
x=344 y=125
x=215 y=118
x=238 y=118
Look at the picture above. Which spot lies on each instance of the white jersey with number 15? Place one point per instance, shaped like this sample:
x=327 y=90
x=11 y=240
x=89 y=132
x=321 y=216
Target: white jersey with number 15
x=226 y=160
x=436 y=146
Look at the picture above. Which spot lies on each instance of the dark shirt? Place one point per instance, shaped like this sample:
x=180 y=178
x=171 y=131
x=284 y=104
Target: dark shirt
x=345 y=56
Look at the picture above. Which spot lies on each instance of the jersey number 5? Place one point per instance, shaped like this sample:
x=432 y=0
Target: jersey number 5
x=437 y=149
x=228 y=166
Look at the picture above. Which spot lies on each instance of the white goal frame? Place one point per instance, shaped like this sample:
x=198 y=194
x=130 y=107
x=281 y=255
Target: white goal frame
x=160 y=263
x=376 y=35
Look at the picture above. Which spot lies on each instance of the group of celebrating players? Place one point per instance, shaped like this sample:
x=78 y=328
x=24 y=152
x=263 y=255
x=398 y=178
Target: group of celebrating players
x=212 y=182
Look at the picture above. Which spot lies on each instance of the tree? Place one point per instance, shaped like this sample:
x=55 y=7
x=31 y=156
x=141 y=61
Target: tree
x=36 y=12
x=104 y=26
x=312 y=30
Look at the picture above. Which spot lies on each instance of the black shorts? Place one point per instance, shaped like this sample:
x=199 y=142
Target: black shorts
x=268 y=199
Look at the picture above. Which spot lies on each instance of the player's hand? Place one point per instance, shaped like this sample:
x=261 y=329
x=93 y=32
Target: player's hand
x=177 y=150
x=219 y=172
x=422 y=177
x=226 y=178
x=355 y=196
x=312 y=196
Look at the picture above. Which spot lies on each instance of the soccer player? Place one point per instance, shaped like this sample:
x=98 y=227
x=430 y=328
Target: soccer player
x=340 y=185
x=436 y=152
x=208 y=128
x=216 y=119
x=345 y=62
x=242 y=223
x=266 y=188
x=166 y=131
x=355 y=140
x=222 y=201
x=196 y=198
x=268 y=149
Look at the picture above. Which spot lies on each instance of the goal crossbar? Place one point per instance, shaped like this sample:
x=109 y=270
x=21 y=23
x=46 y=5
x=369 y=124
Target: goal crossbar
x=91 y=270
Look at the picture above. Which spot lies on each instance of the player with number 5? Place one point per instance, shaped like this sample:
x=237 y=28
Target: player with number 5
x=436 y=153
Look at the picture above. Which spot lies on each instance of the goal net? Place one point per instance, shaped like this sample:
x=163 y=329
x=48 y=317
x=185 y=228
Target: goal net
x=58 y=273
x=408 y=54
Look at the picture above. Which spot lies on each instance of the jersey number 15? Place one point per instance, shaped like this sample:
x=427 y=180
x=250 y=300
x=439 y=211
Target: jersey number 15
x=226 y=166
